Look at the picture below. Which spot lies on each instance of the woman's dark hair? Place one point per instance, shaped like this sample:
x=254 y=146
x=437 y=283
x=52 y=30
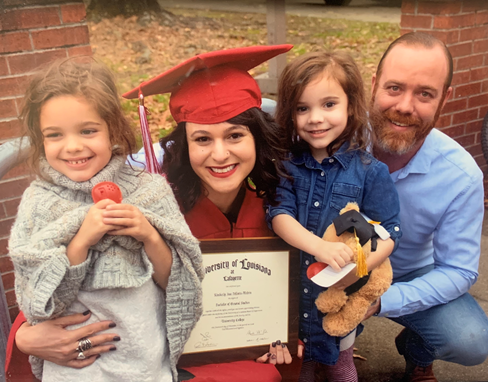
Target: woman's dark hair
x=266 y=172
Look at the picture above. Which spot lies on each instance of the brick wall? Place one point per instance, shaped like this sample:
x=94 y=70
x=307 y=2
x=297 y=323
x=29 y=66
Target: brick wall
x=32 y=32
x=463 y=26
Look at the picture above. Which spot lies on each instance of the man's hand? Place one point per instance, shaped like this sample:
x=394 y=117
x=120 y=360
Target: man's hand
x=374 y=308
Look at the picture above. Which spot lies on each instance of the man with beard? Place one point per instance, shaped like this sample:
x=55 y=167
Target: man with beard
x=441 y=199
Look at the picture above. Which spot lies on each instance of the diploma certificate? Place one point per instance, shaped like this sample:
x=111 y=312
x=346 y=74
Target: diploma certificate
x=246 y=296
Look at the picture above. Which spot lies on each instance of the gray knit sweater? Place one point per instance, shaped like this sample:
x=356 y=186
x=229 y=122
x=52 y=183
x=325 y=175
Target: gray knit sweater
x=49 y=216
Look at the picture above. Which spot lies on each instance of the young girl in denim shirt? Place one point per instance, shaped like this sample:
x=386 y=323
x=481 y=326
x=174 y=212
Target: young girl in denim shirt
x=321 y=105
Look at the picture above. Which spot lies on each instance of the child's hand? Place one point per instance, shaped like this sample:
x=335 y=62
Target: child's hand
x=128 y=220
x=93 y=227
x=337 y=255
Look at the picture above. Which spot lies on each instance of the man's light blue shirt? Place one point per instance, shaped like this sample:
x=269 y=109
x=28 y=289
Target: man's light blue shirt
x=441 y=212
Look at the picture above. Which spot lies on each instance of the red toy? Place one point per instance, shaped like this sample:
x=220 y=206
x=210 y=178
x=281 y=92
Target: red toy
x=106 y=190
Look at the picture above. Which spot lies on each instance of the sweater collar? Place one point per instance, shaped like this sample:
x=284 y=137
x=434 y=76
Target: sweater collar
x=106 y=174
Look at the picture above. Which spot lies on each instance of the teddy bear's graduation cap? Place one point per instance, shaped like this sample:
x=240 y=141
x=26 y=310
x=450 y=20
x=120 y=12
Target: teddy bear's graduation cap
x=211 y=87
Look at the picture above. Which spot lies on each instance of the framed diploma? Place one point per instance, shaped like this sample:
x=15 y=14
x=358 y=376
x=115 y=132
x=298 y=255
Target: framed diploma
x=250 y=299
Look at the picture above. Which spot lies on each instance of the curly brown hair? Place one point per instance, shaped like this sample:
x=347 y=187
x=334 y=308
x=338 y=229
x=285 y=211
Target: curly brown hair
x=77 y=77
x=305 y=69
x=265 y=174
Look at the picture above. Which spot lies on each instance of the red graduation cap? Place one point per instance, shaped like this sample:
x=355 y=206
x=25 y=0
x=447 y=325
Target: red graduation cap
x=211 y=87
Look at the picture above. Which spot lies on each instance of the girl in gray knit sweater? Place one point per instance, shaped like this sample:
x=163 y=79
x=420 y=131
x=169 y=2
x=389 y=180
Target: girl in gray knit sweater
x=134 y=262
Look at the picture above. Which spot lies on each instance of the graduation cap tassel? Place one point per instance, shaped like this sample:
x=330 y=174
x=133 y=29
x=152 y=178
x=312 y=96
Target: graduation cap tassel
x=361 y=266
x=152 y=164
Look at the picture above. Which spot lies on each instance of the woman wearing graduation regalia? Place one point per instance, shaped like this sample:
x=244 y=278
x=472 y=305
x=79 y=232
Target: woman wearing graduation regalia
x=222 y=160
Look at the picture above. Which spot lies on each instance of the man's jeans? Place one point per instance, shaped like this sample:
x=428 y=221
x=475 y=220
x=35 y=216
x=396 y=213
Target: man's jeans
x=453 y=332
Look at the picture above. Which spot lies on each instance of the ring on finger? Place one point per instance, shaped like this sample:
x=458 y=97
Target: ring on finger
x=80 y=355
x=84 y=344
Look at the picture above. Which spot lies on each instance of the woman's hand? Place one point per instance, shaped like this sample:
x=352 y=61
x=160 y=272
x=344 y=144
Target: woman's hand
x=129 y=221
x=51 y=341
x=278 y=354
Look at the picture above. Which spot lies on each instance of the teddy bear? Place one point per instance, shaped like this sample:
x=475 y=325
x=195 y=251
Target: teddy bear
x=346 y=308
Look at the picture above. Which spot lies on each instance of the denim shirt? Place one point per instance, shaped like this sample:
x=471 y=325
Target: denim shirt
x=314 y=198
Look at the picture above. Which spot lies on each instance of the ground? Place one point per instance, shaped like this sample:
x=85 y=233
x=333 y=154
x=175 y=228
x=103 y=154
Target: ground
x=137 y=49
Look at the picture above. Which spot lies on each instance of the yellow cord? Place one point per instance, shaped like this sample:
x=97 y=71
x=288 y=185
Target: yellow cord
x=361 y=267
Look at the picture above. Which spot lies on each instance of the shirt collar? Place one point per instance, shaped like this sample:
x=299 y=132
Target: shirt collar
x=421 y=161
x=343 y=156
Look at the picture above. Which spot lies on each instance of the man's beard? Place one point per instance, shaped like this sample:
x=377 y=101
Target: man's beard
x=399 y=142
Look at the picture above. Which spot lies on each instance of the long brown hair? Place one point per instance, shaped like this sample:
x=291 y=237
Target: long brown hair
x=78 y=78
x=305 y=69
x=265 y=174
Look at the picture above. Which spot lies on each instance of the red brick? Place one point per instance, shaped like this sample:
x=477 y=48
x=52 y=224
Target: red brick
x=14 y=42
x=9 y=129
x=3 y=214
x=8 y=280
x=10 y=297
x=444 y=121
x=476 y=33
x=454 y=131
x=479 y=74
x=483 y=111
x=441 y=8
x=3 y=247
x=476 y=101
x=474 y=5
x=13 y=312
x=408 y=21
x=21 y=170
x=475 y=150
x=80 y=51
x=462 y=49
x=12 y=188
x=484 y=86
x=3 y=66
x=11 y=206
x=27 y=18
x=5 y=226
x=480 y=46
x=480 y=161
x=469 y=62
x=52 y=38
x=461 y=78
x=449 y=22
x=408 y=6
x=6 y=264
x=464 y=116
x=474 y=126
x=482 y=17
x=24 y=63
x=455 y=105
x=448 y=37
x=73 y=13
x=7 y=108
x=13 y=86
x=467 y=90
x=466 y=140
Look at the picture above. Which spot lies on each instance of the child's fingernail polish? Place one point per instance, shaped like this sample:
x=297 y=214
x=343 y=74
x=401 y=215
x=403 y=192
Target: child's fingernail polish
x=112 y=348
x=116 y=338
x=86 y=312
x=112 y=325
x=273 y=344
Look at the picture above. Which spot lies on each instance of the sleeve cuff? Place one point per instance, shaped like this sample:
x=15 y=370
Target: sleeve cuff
x=391 y=303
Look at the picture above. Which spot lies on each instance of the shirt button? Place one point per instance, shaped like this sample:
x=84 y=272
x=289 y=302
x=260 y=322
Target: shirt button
x=322 y=173
x=305 y=340
x=305 y=315
x=307 y=262
x=331 y=160
x=305 y=290
x=316 y=204
x=397 y=229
